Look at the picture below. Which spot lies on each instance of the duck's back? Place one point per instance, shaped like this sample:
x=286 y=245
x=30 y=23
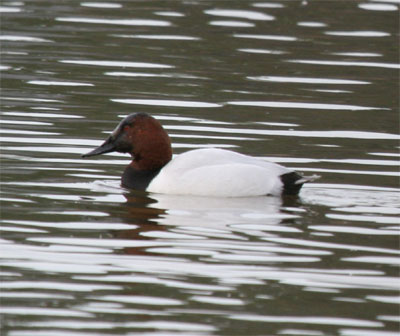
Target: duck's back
x=219 y=173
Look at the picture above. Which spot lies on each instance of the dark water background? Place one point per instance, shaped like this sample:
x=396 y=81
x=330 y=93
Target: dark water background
x=313 y=85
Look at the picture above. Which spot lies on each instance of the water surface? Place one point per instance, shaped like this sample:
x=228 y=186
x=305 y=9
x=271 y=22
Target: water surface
x=312 y=85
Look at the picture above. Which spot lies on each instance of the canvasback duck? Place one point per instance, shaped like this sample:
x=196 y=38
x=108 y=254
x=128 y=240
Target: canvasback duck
x=201 y=172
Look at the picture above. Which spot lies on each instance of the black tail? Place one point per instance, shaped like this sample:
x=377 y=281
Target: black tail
x=292 y=182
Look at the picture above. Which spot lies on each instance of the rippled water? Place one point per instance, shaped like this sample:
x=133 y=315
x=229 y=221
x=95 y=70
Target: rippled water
x=312 y=85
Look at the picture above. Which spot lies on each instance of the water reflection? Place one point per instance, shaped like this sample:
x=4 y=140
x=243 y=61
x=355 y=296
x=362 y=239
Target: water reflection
x=117 y=64
x=267 y=37
x=58 y=83
x=163 y=102
x=378 y=6
x=161 y=37
x=243 y=14
x=24 y=38
x=180 y=219
x=279 y=79
x=81 y=255
x=348 y=63
x=108 y=5
x=124 y=22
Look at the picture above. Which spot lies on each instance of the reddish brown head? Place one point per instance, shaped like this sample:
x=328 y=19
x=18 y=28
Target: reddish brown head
x=143 y=137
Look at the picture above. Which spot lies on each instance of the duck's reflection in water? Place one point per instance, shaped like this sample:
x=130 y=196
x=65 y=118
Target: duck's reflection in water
x=138 y=211
x=170 y=217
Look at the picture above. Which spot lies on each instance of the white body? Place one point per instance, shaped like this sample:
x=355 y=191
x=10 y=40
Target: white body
x=218 y=173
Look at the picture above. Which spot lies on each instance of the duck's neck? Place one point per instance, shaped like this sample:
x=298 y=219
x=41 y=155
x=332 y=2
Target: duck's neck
x=151 y=158
x=133 y=178
x=141 y=171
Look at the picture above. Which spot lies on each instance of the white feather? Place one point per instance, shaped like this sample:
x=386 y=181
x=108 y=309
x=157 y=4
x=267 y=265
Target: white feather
x=220 y=173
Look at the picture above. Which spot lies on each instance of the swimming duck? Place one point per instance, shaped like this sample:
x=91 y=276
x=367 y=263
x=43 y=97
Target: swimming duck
x=202 y=172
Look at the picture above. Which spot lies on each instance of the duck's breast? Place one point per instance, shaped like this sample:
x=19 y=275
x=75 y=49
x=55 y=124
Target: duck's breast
x=218 y=173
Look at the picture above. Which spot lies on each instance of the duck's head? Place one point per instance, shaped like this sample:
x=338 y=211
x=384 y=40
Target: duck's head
x=143 y=137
